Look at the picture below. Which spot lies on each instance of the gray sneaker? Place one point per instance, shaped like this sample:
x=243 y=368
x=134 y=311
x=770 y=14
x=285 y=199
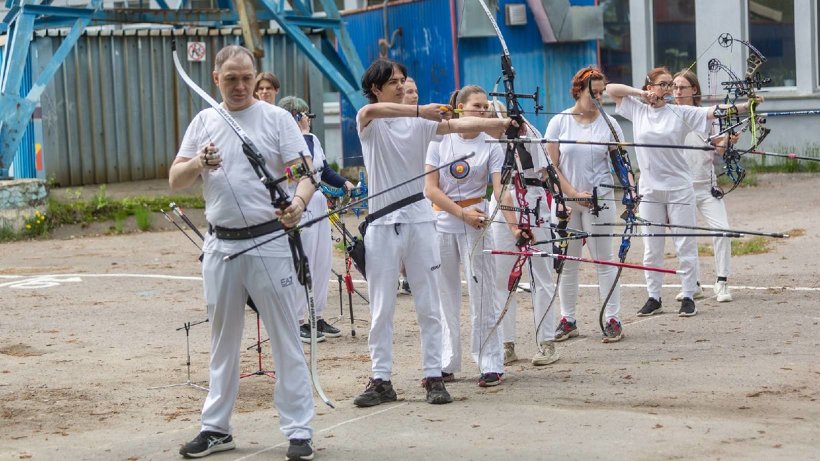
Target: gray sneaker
x=613 y=332
x=509 y=353
x=652 y=307
x=436 y=392
x=376 y=392
x=699 y=294
x=546 y=354
x=687 y=308
x=565 y=330
x=300 y=449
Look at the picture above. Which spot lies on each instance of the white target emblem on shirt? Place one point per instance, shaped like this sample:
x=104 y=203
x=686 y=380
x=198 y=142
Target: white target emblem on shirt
x=460 y=169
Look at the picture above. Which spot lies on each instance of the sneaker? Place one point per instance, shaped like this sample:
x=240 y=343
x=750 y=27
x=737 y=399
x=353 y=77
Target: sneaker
x=722 y=292
x=489 y=379
x=404 y=287
x=300 y=449
x=376 y=392
x=687 y=308
x=205 y=443
x=698 y=294
x=613 y=332
x=566 y=330
x=652 y=307
x=326 y=329
x=509 y=353
x=546 y=354
x=436 y=392
x=304 y=333
x=448 y=377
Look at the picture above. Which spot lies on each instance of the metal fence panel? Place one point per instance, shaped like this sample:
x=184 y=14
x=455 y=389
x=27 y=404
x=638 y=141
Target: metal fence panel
x=116 y=110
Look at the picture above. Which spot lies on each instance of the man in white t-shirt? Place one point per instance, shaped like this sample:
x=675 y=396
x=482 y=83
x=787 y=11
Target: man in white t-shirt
x=239 y=212
x=394 y=139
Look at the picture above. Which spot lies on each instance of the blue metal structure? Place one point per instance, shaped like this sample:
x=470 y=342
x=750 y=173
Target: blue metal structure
x=336 y=58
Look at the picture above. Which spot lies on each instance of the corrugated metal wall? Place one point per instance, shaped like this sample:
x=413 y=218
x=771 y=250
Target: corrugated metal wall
x=22 y=165
x=424 y=47
x=116 y=110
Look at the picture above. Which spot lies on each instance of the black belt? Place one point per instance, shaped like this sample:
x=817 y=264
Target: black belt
x=225 y=233
x=533 y=182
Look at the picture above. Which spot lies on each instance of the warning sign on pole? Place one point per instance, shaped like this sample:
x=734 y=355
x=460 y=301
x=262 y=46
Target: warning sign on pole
x=196 y=51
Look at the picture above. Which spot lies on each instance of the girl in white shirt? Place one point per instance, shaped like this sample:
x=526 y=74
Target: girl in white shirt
x=709 y=200
x=665 y=177
x=461 y=211
x=583 y=168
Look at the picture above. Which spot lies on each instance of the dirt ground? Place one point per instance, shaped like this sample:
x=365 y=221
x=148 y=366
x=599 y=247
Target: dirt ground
x=92 y=325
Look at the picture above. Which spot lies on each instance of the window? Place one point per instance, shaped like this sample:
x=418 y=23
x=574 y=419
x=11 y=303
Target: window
x=674 y=40
x=616 y=57
x=771 y=30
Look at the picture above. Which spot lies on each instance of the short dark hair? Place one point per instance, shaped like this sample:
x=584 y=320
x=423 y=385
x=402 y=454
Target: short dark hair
x=378 y=74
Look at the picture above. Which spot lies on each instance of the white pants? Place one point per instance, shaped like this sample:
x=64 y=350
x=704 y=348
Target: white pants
x=415 y=245
x=714 y=211
x=686 y=247
x=455 y=253
x=542 y=287
x=227 y=286
x=319 y=251
x=599 y=248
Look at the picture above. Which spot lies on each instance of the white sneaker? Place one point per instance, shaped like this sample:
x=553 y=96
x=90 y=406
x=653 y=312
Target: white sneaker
x=722 y=292
x=546 y=354
x=509 y=353
x=698 y=294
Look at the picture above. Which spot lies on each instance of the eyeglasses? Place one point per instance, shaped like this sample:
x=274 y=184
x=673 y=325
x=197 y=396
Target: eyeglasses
x=664 y=85
x=681 y=87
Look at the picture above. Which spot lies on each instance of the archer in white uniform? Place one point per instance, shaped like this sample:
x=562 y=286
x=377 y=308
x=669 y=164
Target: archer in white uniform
x=702 y=166
x=665 y=177
x=582 y=168
x=395 y=138
x=460 y=208
x=542 y=288
x=235 y=200
x=316 y=238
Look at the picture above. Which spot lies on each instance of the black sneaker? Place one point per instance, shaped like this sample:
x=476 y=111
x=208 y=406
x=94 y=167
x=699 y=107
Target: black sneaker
x=326 y=329
x=489 y=379
x=436 y=392
x=304 y=333
x=404 y=287
x=205 y=443
x=687 y=308
x=300 y=449
x=376 y=392
x=652 y=307
x=448 y=377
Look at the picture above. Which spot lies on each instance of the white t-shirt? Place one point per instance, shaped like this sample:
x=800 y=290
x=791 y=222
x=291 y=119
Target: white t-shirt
x=663 y=168
x=234 y=195
x=585 y=166
x=394 y=151
x=318 y=203
x=701 y=163
x=465 y=179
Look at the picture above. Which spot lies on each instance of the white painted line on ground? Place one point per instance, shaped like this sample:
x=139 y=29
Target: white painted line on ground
x=353 y=420
x=17 y=279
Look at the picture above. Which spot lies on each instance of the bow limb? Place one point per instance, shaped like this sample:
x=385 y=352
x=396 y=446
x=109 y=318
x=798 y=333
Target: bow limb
x=279 y=200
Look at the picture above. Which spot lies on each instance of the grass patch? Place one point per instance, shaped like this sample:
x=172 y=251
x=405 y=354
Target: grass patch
x=796 y=232
x=751 y=246
x=74 y=209
x=705 y=250
x=144 y=218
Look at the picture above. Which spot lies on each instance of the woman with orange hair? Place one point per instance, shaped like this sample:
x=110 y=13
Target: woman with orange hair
x=582 y=169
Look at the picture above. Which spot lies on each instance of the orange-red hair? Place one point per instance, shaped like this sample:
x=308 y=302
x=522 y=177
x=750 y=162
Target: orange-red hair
x=581 y=80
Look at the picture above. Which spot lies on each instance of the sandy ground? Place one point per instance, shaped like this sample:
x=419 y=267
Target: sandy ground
x=90 y=325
